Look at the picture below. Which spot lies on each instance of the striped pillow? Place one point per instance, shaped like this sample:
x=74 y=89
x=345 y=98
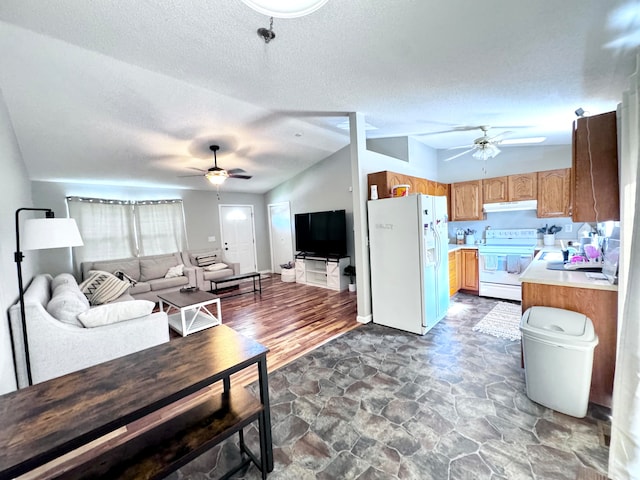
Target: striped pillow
x=205 y=259
x=103 y=287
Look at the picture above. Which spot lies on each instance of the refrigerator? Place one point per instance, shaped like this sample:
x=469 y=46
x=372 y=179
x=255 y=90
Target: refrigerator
x=409 y=257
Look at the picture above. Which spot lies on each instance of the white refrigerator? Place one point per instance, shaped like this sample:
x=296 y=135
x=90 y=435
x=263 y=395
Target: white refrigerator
x=409 y=254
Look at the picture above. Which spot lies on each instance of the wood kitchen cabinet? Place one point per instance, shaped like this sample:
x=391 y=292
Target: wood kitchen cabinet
x=523 y=186
x=469 y=264
x=495 y=190
x=386 y=180
x=554 y=193
x=455 y=272
x=466 y=201
x=595 y=169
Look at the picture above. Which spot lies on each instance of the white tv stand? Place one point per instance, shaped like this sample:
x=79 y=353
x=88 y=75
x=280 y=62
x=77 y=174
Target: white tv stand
x=326 y=272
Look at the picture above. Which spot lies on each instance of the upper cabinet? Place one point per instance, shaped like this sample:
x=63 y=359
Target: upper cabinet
x=554 y=193
x=595 y=183
x=466 y=201
x=495 y=190
x=523 y=186
x=387 y=180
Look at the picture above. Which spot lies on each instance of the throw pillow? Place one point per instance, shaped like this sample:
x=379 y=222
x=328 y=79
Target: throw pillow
x=65 y=306
x=63 y=279
x=103 y=287
x=204 y=259
x=177 y=271
x=116 y=312
x=216 y=266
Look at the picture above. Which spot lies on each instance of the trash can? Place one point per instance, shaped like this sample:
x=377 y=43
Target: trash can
x=288 y=274
x=558 y=350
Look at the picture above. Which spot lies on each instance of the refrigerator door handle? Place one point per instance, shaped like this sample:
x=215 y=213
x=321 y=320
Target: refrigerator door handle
x=436 y=235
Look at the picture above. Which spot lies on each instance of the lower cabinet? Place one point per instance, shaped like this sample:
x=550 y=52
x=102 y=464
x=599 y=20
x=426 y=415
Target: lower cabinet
x=469 y=260
x=455 y=272
x=323 y=272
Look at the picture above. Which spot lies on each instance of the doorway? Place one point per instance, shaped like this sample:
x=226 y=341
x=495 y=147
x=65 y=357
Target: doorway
x=280 y=235
x=237 y=230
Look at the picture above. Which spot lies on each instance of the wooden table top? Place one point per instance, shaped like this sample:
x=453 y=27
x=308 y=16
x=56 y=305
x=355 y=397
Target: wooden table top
x=46 y=420
x=186 y=299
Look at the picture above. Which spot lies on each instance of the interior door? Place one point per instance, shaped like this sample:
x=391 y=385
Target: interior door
x=238 y=236
x=280 y=235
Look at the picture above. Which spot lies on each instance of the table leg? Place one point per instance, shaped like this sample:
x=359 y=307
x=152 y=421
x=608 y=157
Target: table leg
x=264 y=398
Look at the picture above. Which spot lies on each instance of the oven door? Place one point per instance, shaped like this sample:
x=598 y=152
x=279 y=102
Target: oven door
x=500 y=273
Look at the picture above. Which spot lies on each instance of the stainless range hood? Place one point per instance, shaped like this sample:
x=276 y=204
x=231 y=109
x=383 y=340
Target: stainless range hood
x=510 y=206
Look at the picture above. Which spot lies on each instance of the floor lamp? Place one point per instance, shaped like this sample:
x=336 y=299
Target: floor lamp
x=39 y=234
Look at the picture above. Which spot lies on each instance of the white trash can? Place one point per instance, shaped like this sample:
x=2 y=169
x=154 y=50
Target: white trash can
x=288 y=275
x=558 y=358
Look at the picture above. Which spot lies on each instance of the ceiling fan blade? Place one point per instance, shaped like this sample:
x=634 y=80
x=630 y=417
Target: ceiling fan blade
x=459 y=155
x=198 y=169
x=243 y=177
x=461 y=146
x=184 y=176
x=233 y=171
x=498 y=138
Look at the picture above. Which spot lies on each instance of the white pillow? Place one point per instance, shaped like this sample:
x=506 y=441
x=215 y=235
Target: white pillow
x=216 y=266
x=116 y=312
x=103 y=287
x=66 y=306
x=177 y=271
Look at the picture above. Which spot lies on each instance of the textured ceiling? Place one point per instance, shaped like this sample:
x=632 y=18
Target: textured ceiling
x=134 y=92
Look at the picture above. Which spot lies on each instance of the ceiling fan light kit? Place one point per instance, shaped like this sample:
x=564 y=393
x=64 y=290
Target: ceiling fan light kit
x=217 y=177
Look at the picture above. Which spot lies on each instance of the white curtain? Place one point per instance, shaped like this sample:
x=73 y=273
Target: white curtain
x=106 y=227
x=624 y=455
x=160 y=227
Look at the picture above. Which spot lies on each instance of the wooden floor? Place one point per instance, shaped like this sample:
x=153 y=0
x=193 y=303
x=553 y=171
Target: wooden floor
x=289 y=318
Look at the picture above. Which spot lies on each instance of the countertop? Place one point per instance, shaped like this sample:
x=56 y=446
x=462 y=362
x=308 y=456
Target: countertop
x=537 y=272
x=453 y=247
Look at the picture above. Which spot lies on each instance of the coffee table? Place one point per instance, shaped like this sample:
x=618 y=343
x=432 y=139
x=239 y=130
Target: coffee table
x=193 y=311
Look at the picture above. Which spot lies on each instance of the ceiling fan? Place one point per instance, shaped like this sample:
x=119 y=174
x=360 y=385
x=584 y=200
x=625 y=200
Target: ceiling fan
x=217 y=175
x=483 y=147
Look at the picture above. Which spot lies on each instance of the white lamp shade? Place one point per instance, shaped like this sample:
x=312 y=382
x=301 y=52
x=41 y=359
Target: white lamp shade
x=42 y=233
x=217 y=177
x=285 y=8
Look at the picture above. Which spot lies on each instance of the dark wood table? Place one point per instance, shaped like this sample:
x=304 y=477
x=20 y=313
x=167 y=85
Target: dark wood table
x=241 y=276
x=40 y=423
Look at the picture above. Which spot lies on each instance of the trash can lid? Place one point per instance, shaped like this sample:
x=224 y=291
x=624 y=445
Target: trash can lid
x=560 y=324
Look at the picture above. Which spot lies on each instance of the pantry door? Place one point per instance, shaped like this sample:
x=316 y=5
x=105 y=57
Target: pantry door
x=280 y=235
x=238 y=236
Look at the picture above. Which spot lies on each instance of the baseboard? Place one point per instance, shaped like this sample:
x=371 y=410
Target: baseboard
x=364 y=319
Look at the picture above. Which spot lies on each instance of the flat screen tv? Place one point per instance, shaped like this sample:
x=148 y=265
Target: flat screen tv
x=321 y=233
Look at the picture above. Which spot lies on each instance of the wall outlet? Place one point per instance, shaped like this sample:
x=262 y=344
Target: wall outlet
x=568 y=228
x=211 y=239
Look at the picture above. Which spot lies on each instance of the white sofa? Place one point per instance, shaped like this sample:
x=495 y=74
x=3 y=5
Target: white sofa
x=204 y=276
x=148 y=273
x=57 y=348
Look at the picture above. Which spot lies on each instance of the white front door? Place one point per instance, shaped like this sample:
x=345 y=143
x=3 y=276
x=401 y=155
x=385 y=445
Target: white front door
x=280 y=235
x=238 y=236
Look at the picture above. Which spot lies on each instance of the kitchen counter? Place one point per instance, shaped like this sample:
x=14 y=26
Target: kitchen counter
x=453 y=247
x=537 y=272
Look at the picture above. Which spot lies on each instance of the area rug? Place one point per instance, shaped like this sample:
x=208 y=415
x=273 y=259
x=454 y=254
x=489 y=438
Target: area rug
x=503 y=321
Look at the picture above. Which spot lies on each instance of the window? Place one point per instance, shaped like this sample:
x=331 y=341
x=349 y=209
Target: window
x=118 y=229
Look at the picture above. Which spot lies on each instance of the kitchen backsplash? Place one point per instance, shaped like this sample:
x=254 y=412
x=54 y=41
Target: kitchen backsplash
x=519 y=219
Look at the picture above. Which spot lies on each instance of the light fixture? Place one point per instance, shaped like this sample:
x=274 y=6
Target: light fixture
x=485 y=151
x=285 y=9
x=217 y=177
x=39 y=234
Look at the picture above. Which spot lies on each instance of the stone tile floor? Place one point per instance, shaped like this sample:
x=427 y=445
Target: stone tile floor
x=378 y=403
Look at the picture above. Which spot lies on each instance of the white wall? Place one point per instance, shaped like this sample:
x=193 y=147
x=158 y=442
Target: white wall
x=16 y=193
x=511 y=160
x=200 y=210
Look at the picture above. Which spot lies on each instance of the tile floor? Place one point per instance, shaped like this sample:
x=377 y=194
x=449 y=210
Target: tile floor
x=378 y=403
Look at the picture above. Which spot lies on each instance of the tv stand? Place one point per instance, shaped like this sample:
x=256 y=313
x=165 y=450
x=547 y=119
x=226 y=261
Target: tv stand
x=322 y=271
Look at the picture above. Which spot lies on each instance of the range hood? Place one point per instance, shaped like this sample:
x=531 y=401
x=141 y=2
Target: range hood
x=510 y=206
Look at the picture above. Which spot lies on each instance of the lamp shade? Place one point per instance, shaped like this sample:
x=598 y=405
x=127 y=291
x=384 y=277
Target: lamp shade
x=285 y=8
x=217 y=177
x=42 y=233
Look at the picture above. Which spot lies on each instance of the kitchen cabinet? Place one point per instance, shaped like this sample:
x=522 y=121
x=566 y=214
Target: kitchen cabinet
x=523 y=186
x=455 y=272
x=469 y=264
x=554 y=193
x=466 y=201
x=601 y=306
x=495 y=190
x=386 y=180
x=595 y=169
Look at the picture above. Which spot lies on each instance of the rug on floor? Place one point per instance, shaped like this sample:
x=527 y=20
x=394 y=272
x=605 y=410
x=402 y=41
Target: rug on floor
x=503 y=321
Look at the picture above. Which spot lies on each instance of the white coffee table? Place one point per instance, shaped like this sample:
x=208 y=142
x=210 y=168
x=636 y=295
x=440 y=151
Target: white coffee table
x=193 y=311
